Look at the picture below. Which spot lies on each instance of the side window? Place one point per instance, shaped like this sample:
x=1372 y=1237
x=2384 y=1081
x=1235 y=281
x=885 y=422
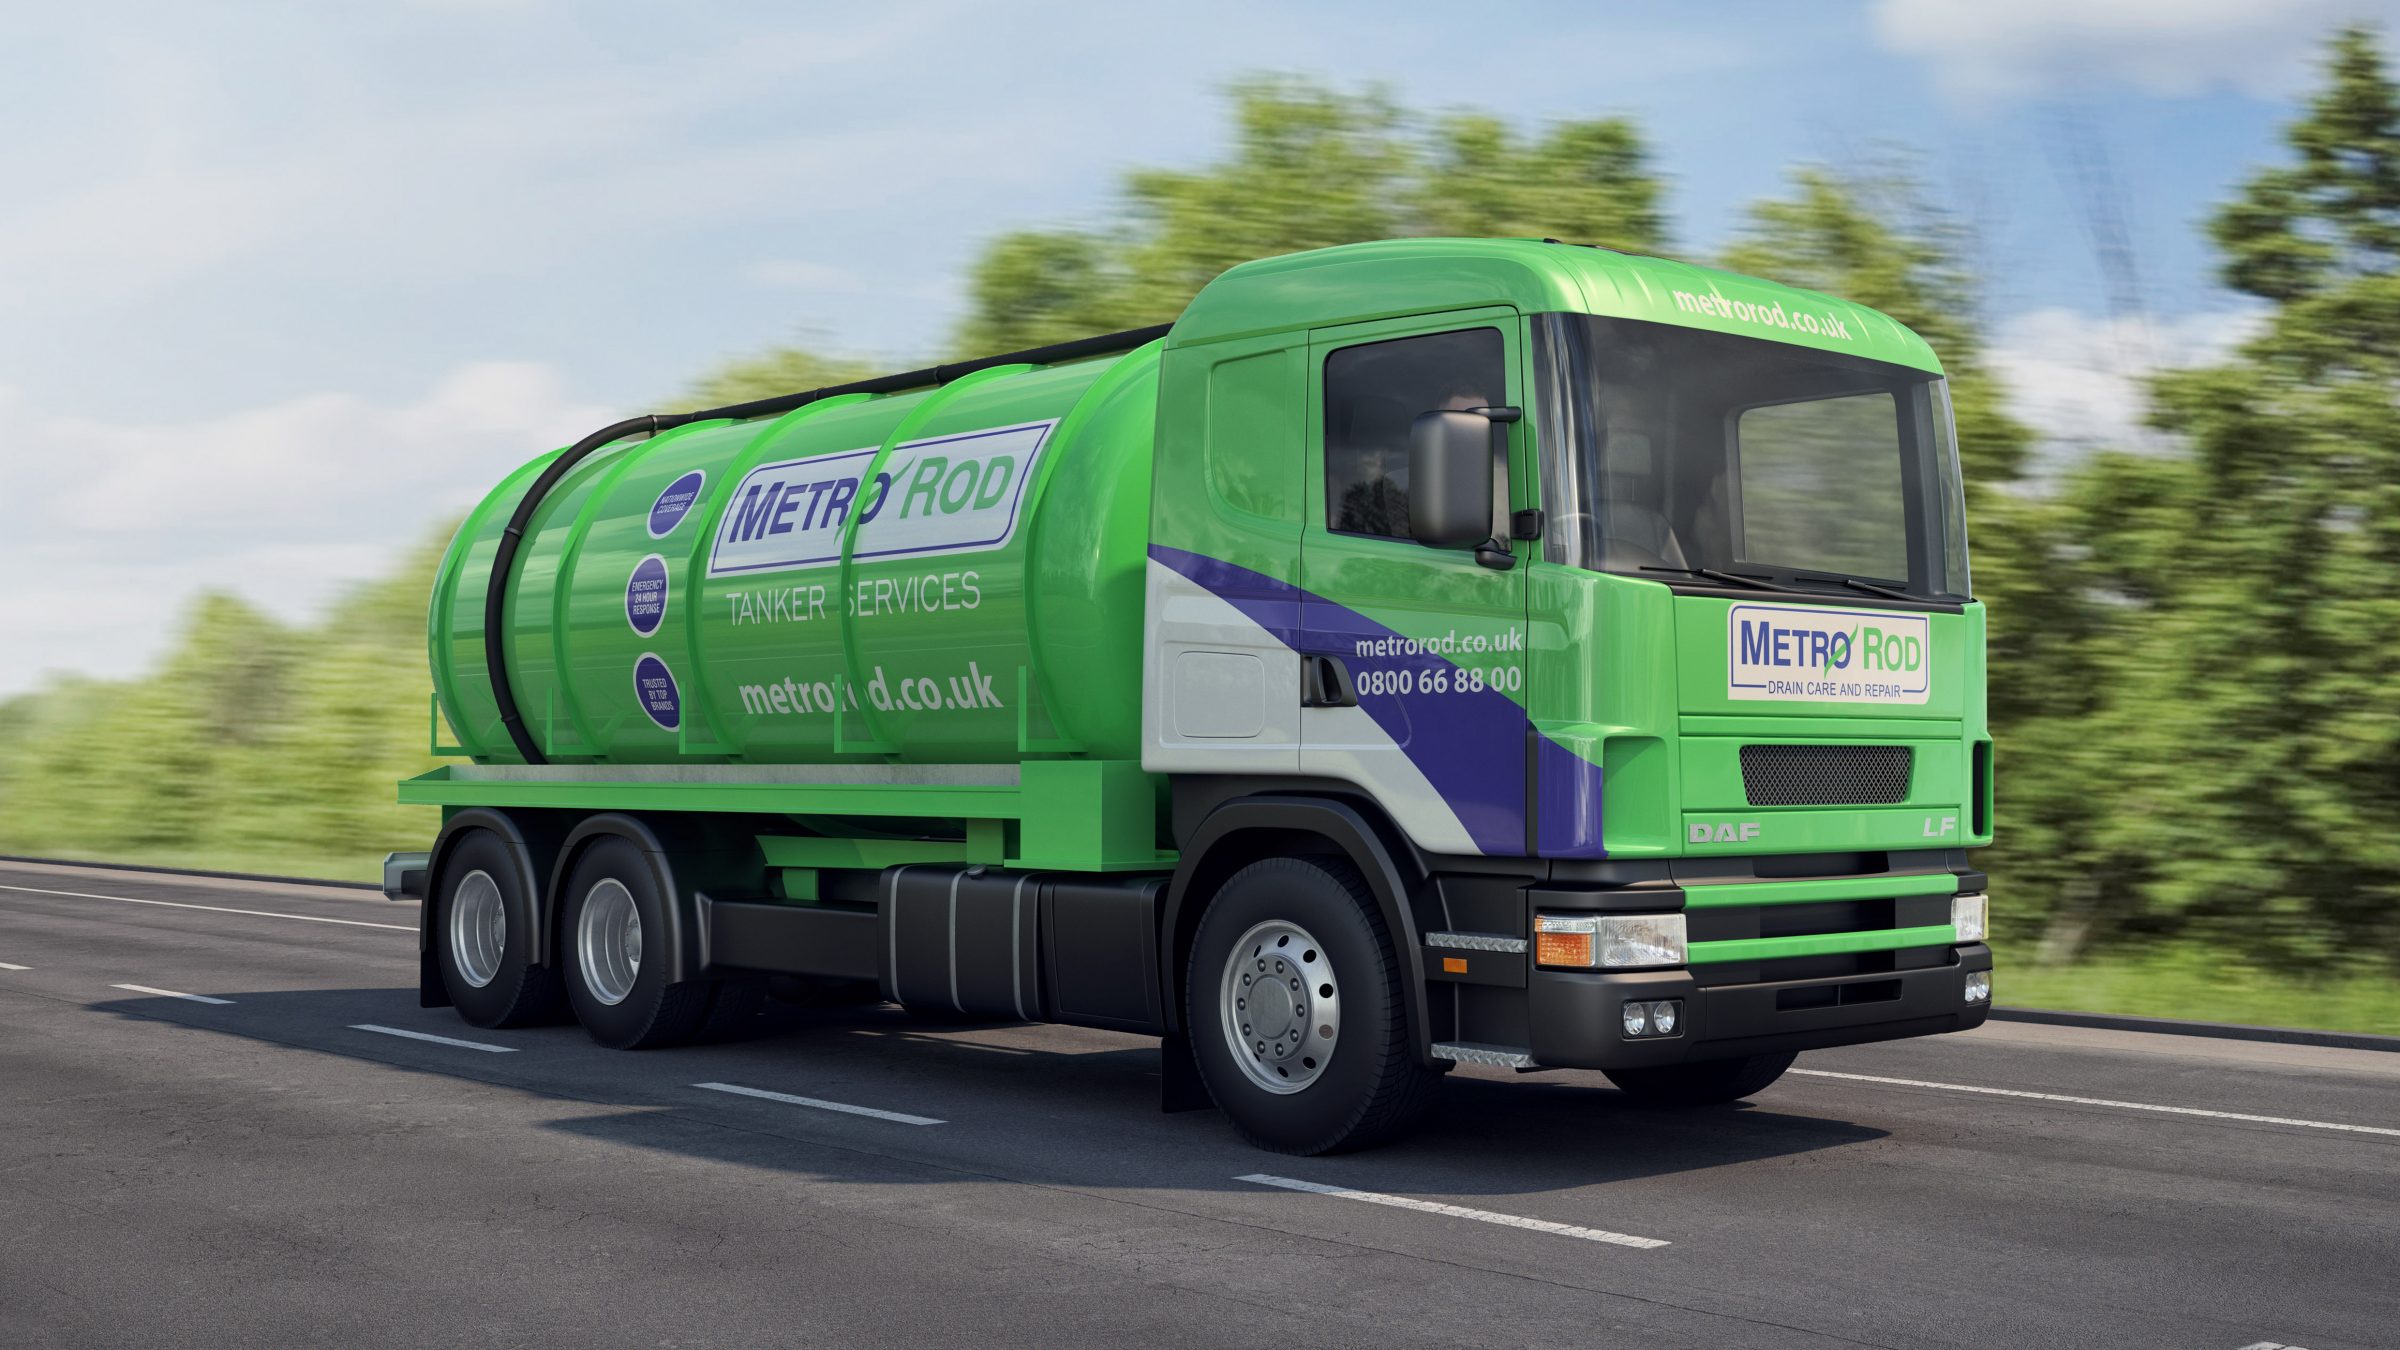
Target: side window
x=1373 y=393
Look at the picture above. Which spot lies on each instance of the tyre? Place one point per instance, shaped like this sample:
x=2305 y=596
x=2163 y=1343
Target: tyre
x=613 y=903
x=1294 y=1006
x=485 y=952
x=1708 y=1083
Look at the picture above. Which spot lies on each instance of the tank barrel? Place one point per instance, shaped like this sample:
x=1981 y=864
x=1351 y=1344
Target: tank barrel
x=511 y=538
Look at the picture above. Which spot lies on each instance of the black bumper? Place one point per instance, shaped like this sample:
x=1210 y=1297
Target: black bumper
x=1578 y=1017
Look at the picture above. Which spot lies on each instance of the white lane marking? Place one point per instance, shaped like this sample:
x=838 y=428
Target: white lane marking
x=1456 y=1211
x=2103 y=1101
x=6 y=966
x=897 y=1117
x=215 y=909
x=169 y=993
x=437 y=1040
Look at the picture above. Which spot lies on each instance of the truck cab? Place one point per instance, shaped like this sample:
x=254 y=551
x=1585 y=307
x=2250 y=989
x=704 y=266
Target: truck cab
x=1627 y=601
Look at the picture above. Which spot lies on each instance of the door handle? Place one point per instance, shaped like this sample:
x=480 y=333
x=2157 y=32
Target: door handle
x=1325 y=683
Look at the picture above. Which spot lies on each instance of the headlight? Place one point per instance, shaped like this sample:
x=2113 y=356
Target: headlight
x=1970 y=916
x=1608 y=941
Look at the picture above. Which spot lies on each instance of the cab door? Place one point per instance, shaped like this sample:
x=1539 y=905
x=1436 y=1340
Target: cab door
x=1413 y=658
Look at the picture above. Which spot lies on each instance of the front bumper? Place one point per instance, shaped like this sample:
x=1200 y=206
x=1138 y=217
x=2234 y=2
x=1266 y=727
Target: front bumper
x=1577 y=1016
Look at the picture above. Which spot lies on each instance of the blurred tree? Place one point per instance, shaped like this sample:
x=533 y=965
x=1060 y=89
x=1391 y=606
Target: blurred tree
x=253 y=744
x=778 y=370
x=1310 y=167
x=1585 y=182
x=2274 y=588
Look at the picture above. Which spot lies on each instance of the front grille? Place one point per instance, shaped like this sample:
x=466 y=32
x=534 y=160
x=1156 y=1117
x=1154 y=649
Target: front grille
x=1826 y=775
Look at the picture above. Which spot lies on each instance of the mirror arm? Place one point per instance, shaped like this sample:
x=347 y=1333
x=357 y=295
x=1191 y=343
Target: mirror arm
x=1494 y=552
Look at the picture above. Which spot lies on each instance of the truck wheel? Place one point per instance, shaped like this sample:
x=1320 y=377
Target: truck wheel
x=486 y=959
x=1708 y=1083
x=624 y=1002
x=1295 y=1009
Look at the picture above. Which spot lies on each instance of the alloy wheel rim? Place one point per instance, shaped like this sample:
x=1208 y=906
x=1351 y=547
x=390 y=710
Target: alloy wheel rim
x=608 y=939
x=1280 y=1007
x=478 y=929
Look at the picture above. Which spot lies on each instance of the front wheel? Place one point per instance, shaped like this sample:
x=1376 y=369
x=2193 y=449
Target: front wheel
x=1295 y=1009
x=1708 y=1083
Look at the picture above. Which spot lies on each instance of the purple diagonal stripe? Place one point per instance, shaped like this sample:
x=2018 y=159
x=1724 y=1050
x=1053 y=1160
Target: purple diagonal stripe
x=1469 y=745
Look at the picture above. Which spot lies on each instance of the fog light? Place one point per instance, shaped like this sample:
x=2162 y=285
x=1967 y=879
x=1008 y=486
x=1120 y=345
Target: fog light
x=1664 y=1016
x=1979 y=986
x=1637 y=1019
x=1970 y=915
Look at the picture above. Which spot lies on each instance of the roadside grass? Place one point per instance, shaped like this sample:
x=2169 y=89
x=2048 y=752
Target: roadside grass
x=2188 y=984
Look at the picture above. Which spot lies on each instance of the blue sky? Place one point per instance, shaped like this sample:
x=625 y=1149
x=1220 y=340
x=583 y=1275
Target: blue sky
x=280 y=287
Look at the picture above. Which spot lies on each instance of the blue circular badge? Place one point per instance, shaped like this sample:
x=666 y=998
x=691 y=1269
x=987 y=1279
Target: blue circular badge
x=646 y=595
x=674 y=503
x=654 y=687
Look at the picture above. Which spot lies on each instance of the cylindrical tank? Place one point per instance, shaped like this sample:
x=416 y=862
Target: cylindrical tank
x=949 y=575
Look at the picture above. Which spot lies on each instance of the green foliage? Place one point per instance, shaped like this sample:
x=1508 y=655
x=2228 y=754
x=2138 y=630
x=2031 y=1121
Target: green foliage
x=253 y=745
x=2261 y=639
x=1310 y=167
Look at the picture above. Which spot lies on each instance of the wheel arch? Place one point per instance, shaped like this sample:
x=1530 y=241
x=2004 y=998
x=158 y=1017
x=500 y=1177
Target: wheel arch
x=1243 y=830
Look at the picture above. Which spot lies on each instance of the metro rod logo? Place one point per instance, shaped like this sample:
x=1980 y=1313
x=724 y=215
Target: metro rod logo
x=944 y=494
x=1806 y=654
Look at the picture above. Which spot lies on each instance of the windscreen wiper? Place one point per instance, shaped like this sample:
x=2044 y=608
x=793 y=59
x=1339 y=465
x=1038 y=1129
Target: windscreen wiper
x=1730 y=578
x=1855 y=584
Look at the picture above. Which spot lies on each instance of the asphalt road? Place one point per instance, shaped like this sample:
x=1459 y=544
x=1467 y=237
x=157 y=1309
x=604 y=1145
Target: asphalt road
x=256 y=1169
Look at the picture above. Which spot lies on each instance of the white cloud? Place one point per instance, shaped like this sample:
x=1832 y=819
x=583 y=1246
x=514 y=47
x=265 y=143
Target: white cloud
x=121 y=524
x=2078 y=380
x=1987 y=50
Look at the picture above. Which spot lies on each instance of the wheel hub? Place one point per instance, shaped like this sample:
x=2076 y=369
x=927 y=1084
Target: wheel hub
x=608 y=941
x=478 y=929
x=1280 y=1009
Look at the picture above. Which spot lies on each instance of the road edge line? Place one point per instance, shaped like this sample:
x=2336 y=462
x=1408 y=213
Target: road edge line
x=2223 y=1031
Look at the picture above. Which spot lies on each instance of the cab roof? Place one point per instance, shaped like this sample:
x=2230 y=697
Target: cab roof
x=1352 y=283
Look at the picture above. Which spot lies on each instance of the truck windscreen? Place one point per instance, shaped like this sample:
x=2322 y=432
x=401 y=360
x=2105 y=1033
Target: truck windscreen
x=1674 y=453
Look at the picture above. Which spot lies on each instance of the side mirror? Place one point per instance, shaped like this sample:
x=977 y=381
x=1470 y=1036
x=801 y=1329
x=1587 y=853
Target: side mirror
x=1450 y=479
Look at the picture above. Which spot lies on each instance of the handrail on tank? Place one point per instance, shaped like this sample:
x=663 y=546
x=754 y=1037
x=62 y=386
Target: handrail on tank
x=505 y=556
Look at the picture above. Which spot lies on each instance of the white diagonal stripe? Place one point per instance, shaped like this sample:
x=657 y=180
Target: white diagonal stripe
x=2103 y=1101
x=819 y=1104
x=1456 y=1211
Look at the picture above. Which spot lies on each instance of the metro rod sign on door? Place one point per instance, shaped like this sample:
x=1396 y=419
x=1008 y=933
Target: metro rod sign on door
x=1808 y=654
x=945 y=494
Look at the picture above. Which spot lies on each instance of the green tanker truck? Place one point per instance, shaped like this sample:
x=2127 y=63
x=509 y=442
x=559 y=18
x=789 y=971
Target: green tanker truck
x=1419 y=653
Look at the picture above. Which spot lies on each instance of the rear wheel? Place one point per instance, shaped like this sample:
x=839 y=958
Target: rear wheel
x=1709 y=1083
x=1295 y=1010
x=616 y=982
x=485 y=952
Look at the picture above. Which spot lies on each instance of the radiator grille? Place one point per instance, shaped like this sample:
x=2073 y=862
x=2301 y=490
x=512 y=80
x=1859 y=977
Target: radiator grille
x=1826 y=775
